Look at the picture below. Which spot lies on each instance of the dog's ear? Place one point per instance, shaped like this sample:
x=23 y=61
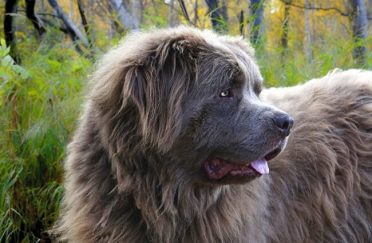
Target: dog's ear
x=161 y=69
x=159 y=87
x=140 y=88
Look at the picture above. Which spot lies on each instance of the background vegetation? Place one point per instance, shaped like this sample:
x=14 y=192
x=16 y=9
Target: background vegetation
x=47 y=51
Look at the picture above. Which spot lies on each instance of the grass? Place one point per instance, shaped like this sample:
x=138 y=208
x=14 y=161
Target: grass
x=39 y=107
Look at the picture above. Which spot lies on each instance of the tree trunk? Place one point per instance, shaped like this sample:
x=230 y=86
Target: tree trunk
x=123 y=14
x=30 y=13
x=137 y=11
x=224 y=12
x=86 y=26
x=42 y=6
x=360 y=28
x=285 y=29
x=196 y=15
x=218 y=15
x=71 y=9
x=115 y=25
x=307 y=30
x=257 y=10
x=284 y=38
x=10 y=10
x=241 y=23
x=172 y=14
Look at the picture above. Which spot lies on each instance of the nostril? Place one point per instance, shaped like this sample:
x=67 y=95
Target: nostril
x=283 y=122
x=285 y=125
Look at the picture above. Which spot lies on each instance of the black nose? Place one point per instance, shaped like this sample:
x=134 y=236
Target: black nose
x=283 y=122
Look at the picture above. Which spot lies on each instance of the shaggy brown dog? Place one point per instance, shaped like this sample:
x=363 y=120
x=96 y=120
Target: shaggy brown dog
x=174 y=143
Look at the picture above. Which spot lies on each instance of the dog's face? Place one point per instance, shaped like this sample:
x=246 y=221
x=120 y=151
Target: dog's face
x=197 y=97
x=233 y=133
x=229 y=134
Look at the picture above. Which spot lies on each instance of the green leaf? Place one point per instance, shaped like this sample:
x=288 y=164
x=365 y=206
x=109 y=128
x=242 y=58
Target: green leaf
x=7 y=61
x=21 y=71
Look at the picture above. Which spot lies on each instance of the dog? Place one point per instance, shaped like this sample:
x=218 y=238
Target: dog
x=179 y=142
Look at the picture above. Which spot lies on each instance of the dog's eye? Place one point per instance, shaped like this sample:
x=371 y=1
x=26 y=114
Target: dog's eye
x=226 y=93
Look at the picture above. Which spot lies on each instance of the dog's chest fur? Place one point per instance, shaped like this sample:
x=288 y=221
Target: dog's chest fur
x=224 y=214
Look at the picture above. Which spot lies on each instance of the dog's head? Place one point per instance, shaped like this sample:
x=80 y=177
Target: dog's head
x=191 y=97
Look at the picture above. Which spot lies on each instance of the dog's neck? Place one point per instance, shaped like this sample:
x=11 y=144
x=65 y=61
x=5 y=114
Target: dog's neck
x=177 y=209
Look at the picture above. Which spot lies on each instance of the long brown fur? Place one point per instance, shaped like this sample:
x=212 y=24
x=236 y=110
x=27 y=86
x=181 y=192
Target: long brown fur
x=319 y=188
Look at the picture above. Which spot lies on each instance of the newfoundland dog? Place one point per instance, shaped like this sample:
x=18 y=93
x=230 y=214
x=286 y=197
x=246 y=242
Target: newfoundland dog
x=177 y=143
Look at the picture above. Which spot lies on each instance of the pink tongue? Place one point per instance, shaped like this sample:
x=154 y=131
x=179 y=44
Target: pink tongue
x=260 y=166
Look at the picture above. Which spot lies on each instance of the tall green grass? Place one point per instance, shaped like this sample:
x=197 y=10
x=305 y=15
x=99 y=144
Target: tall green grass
x=39 y=107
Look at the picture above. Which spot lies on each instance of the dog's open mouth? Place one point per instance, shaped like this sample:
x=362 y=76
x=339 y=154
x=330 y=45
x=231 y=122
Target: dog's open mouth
x=217 y=168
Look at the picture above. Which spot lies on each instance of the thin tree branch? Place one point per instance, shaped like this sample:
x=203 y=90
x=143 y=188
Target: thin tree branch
x=316 y=8
x=73 y=31
x=38 y=14
x=47 y=14
x=48 y=22
x=184 y=11
x=53 y=25
x=241 y=23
